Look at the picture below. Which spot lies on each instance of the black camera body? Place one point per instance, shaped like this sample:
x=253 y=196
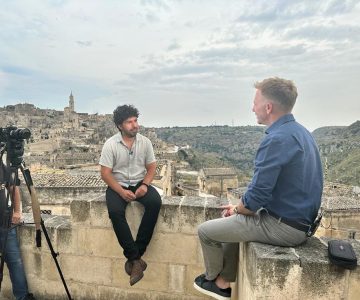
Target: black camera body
x=12 y=139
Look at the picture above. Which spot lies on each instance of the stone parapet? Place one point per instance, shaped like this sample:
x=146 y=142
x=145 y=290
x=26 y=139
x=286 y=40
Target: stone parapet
x=92 y=260
x=304 y=272
x=93 y=264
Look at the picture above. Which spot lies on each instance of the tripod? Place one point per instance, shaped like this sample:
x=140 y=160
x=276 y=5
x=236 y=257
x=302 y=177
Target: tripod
x=38 y=221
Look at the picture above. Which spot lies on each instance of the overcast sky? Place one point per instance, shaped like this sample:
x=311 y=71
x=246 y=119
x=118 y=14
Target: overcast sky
x=182 y=62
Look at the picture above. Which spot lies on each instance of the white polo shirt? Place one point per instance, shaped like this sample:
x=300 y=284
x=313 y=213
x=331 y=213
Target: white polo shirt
x=128 y=165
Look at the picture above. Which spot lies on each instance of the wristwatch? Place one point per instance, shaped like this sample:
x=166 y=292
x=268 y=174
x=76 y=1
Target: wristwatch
x=143 y=183
x=235 y=210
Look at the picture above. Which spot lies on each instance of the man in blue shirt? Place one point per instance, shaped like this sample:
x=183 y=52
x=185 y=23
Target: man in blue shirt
x=282 y=199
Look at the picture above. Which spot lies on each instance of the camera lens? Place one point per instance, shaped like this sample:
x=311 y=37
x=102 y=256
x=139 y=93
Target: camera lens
x=20 y=133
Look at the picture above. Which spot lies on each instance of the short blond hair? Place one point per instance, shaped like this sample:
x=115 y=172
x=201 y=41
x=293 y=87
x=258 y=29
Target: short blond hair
x=280 y=90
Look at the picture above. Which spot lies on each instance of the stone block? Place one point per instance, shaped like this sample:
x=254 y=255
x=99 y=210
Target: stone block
x=354 y=284
x=168 y=220
x=87 y=269
x=176 y=278
x=26 y=236
x=48 y=267
x=98 y=213
x=102 y=242
x=47 y=289
x=32 y=262
x=191 y=214
x=109 y=292
x=80 y=212
x=64 y=240
x=270 y=269
x=82 y=291
x=80 y=242
x=172 y=248
x=94 y=241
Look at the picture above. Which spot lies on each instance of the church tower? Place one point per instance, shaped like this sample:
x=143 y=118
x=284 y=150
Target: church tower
x=71 y=103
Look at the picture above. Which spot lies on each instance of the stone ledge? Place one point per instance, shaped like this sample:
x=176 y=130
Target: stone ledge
x=265 y=271
x=302 y=272
x=175 y=211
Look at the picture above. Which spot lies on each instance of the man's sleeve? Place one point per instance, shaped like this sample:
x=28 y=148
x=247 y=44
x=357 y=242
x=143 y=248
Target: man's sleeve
x=150 y=156
x=107 y=157
x=272 y=154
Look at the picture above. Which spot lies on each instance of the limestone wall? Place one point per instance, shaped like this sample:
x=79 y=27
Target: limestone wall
x=301 y=273
x=92 y=260
x=93 y=264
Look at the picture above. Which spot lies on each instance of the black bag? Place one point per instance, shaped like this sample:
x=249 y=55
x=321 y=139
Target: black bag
x=341 y=253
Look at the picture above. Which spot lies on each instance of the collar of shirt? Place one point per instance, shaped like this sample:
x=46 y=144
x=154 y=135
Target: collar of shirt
x=121 y=140
x=281 y=121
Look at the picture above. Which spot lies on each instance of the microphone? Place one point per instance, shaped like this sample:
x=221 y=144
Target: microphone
x=131 y=152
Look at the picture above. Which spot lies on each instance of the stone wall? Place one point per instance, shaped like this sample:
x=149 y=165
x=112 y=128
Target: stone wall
x=301 y=273
x=92 y=260
x=93 y=264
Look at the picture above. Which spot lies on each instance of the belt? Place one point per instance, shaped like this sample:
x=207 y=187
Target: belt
x=293 y=224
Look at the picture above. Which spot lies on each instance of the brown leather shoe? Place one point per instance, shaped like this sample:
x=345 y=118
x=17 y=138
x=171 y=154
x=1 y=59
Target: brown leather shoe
x=136 y=272
x=129 y=265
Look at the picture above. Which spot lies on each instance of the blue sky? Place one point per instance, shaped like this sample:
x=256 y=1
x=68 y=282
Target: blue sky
x=182 y=63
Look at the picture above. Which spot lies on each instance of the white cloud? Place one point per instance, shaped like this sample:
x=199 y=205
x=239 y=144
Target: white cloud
x=196 y=58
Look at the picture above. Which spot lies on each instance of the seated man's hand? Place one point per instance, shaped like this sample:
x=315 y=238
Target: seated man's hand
x=141 y=191
x=228 y=210
x=127 y=195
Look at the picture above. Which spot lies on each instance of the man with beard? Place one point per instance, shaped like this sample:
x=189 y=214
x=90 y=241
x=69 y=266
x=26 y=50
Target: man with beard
x=128 y=167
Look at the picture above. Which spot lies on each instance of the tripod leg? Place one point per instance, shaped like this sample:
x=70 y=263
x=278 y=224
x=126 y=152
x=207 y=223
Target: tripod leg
x=40 y=222
x=54 y=255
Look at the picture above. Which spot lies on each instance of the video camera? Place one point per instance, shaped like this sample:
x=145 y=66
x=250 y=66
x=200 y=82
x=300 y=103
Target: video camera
x=12 y=140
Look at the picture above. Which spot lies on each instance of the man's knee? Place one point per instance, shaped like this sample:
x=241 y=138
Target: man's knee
x=117 y=215
x=153 y=200
x=202 y=228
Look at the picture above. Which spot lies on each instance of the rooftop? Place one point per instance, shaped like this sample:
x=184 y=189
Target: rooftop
x=218 y=171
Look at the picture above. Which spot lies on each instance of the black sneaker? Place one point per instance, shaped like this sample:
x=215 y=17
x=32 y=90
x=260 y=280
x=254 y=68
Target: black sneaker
x=209 y=287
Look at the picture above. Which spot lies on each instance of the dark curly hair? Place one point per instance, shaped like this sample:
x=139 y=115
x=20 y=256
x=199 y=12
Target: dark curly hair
x=123 y=112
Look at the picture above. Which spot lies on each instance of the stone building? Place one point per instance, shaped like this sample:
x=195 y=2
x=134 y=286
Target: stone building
x=341 y=212
x=217 y=181
x=71 y=118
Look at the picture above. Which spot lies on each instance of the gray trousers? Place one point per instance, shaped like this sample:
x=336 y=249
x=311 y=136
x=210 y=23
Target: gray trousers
x=220 y=239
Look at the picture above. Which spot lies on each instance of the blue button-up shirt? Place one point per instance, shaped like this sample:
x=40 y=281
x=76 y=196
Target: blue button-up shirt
x=288 y=178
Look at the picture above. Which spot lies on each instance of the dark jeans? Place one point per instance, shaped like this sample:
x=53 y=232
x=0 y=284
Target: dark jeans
x=14 y=263
x=116 y=208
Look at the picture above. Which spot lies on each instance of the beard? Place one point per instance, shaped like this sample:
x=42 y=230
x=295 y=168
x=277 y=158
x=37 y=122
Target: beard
x=130 y=133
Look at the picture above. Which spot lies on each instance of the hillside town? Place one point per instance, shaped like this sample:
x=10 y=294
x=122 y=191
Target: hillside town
x=65 y=146
x=63 y=157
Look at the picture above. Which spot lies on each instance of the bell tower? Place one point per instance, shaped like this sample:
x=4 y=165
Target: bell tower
x=71 y=102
